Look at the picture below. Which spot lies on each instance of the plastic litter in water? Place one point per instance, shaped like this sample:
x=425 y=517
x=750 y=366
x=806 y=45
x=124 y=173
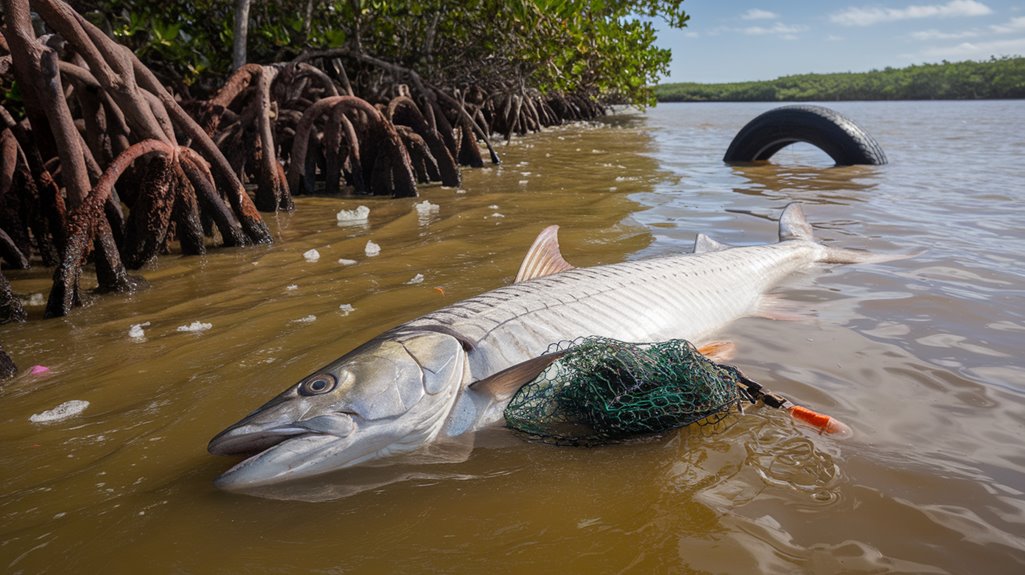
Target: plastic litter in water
x=195 y=326
x=497 y=215
x=426 y=208
x=291 y=287
x=36 y=299
x=61 y=412
x=417 y=279
x=38 y=370
x=308 y=319
x=346 y=309
x=311 y=255
x=346 y=262
x=357 y=216
x=136 y=331
x=372 y=249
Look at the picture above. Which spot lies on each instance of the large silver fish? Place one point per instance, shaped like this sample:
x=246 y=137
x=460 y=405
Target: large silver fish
x=452 y=371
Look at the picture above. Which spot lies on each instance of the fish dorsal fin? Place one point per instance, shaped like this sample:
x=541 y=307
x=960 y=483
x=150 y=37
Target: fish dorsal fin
x=793 y=225
x=704 y=244
x=543 y=258
x=507 y=382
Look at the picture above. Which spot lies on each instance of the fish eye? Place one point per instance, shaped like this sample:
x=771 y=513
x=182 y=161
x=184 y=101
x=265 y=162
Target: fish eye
x=318 y=384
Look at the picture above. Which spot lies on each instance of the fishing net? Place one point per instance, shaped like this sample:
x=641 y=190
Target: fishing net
x=603 y=390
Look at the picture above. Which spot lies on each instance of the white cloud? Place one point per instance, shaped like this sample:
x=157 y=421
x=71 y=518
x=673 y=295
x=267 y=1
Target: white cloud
x=926 y=35
x=756 y=14
x=869 y=15
x=977 y=50
x=1014 y=25
x=778 y=29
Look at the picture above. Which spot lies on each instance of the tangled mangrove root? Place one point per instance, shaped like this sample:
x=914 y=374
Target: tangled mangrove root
x=93 y=113
x=107 y=169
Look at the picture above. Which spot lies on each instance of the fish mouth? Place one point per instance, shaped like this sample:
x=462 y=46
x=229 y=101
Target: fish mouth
x=241 y=441
x=291 y=456
x=301 y=449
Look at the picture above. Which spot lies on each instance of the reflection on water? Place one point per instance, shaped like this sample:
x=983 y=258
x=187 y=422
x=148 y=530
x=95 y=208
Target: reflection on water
x=919 y=356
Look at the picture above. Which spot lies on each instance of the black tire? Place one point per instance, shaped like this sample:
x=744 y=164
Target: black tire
x=830 y=131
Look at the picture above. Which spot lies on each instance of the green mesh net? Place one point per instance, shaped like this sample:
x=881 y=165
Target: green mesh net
x=604 y=390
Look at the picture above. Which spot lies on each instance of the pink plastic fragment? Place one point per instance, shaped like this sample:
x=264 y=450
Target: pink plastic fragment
x=38 y=370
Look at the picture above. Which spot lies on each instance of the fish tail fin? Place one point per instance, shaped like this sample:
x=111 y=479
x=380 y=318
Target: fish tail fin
x=793 y=225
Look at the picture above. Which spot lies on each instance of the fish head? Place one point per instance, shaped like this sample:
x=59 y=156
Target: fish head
x=391 y=395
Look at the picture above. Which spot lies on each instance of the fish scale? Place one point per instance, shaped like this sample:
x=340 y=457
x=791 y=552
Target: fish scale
x=668 y=297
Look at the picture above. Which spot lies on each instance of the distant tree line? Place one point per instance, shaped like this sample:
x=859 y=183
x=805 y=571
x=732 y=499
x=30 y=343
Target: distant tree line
x=996 y=78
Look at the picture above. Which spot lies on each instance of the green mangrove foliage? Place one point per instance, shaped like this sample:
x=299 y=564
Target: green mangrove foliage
x=994 y=78
x=602 y=48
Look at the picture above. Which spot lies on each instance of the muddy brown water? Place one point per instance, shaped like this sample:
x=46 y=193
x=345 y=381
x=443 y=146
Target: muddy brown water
x=922 y=357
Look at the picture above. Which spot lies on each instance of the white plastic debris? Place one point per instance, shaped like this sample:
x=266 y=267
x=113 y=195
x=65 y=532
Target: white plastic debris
x=196 y=326
x=497 y=215
x=426 y=208
x=346 y=309
x=136 y=331
x=358 y=216
x=346 y=262
x=311 y=255
x=62 y=411
x=308 y=319
x=372 y=249
x=291 y=287
x=417 y=279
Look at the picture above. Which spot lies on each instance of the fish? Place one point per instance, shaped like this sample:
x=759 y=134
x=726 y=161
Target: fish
x=451 y=372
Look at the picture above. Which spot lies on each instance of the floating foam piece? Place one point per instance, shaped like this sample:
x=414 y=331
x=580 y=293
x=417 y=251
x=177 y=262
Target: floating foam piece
x=136 y=331
x=426 y=208
x=311 y=255
x=417 y=279
x=195 y=326
x=61 y=412
x=357 y=216
x=291 y=287
x=346 y=309
x=346 y=262
x=372 y=249
x=308 y=319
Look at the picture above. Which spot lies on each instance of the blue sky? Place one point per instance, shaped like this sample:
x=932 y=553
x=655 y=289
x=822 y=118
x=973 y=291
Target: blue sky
x=748 y=40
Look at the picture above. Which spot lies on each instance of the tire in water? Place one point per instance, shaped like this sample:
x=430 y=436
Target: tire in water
x=828 y=130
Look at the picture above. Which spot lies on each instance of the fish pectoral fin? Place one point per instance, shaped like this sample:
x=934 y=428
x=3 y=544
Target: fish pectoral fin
x=718 y=351
x=504 y=384
x=771 y=306
x=543 y=258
